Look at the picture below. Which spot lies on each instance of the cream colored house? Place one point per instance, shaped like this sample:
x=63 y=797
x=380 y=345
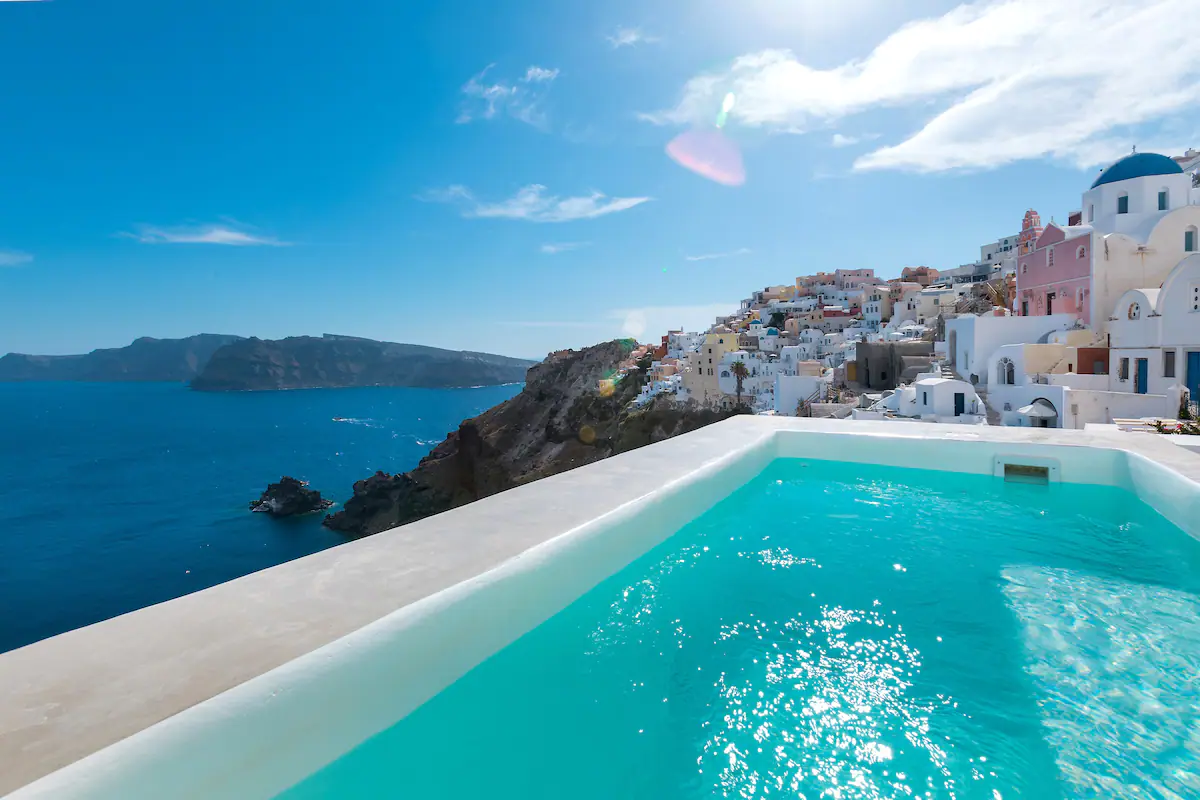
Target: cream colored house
x=701 y=376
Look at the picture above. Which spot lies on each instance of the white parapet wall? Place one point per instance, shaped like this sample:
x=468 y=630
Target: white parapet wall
x=243 y=689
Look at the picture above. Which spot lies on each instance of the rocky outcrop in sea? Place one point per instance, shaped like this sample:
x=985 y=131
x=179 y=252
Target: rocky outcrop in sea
x=289 y=498
x=567 y=415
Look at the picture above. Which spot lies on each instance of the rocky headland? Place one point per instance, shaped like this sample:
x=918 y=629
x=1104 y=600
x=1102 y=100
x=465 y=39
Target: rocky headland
x=308 y=362
x=146 y=359
x=289 y=498
x=570 y=413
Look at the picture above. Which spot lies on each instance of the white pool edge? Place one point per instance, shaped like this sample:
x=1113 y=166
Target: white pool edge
x=264 y=735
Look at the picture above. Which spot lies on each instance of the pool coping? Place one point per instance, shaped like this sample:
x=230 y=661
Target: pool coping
x=70 y=696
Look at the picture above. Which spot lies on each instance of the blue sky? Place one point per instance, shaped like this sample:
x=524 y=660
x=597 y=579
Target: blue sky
x=492 y=175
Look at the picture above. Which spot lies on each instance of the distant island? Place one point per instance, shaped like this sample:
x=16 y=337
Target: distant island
x=146 y=359
x=216 y=362
x=308 y=362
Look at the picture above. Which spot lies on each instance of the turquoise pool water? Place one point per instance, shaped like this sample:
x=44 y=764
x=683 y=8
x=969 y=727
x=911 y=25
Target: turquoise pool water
x=839 y=631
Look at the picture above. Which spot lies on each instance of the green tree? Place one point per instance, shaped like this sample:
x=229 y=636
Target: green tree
x=777 y=319
x=738 y=368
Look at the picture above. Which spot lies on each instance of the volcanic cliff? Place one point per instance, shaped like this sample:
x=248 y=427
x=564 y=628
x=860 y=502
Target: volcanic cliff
x=569 y=414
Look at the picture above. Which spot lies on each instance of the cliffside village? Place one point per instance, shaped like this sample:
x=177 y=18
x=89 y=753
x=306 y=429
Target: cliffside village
x=1091 y=322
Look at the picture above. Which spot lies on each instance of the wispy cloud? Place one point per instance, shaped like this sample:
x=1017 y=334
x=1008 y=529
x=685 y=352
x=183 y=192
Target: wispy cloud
x=553 y=248
x=537 y=74
x=1006 y=80
x=741 y=251
x=627 y=37
x=520 y=99
x=229 y=233
x=841 y=140
x=531 y=203
x=14 y=258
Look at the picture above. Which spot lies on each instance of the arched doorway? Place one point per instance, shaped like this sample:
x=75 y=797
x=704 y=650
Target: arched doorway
x=1041 y=413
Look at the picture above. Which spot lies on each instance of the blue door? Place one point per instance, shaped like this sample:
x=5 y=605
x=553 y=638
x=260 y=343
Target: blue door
x=1143 y=369
x=1193 y=375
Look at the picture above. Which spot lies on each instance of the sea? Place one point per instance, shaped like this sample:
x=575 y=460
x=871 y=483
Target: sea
x=116 y=496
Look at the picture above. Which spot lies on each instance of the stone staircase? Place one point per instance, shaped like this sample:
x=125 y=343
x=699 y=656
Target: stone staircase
x=993 y=416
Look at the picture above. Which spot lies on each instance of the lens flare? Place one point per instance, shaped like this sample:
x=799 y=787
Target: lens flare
x=708 y=153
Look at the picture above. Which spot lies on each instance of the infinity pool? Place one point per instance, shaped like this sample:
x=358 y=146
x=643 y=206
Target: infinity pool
x=835 y=630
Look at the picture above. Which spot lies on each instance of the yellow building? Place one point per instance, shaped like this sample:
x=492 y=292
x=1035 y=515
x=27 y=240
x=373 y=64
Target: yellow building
x=700 y=378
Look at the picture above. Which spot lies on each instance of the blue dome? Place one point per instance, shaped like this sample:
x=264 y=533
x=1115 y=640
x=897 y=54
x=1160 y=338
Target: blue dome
x=772 y=331
x=1138 y=165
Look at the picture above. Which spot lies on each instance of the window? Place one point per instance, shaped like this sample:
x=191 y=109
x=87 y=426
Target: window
x=1024 y=269
x=1189 y=240
x=1050 y=257
x=1091 y=213
x=1123 y=370
x=1168 y=363
x=925 y=398
x=1081 y=252
x=1006 y=372
x=1024 y=308
x=1162 y=200
x=1135 y=311
x=1196 y=298
x=1123 y=204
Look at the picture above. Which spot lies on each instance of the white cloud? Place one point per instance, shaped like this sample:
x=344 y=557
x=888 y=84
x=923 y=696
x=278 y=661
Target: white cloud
x=627 y=37
x=532 y=204
x=230 y=233
x=537 y=74
x=741 y=251
x=520 y=99
x=841 y=140
x=1005 y=80
x=654 y=321
x=14 y=258
x=553 y=248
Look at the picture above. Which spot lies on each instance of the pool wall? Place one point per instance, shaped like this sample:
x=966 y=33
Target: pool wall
x=282 y=724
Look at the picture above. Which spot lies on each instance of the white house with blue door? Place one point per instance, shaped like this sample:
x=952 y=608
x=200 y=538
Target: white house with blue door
x=1154 y=342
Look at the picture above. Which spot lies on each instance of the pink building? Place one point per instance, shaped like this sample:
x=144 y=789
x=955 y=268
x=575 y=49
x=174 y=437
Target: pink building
x=854 y=278
x=1031 y=229
x=1056 y=277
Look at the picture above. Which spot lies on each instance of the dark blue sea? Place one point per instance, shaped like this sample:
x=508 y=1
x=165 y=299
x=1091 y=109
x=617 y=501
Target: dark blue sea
x=116 y=496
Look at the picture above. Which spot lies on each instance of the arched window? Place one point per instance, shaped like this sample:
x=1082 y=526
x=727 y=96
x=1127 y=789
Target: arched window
x=1005 y=372
x=1081 y=252
x=1189 y=240
x=1024 y=268
x=1135 y=311
x=1123 y=203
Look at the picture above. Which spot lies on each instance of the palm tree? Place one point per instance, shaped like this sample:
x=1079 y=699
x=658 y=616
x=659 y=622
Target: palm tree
x=738 y=368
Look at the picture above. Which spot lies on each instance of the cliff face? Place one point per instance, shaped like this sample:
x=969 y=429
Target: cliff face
x=562 y=419
x=302 y=362
x=145 y=360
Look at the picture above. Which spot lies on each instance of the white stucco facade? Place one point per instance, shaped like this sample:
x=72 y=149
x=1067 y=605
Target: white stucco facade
x=972 y=340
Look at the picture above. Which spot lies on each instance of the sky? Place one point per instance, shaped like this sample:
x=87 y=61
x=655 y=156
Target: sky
x=495 y=176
